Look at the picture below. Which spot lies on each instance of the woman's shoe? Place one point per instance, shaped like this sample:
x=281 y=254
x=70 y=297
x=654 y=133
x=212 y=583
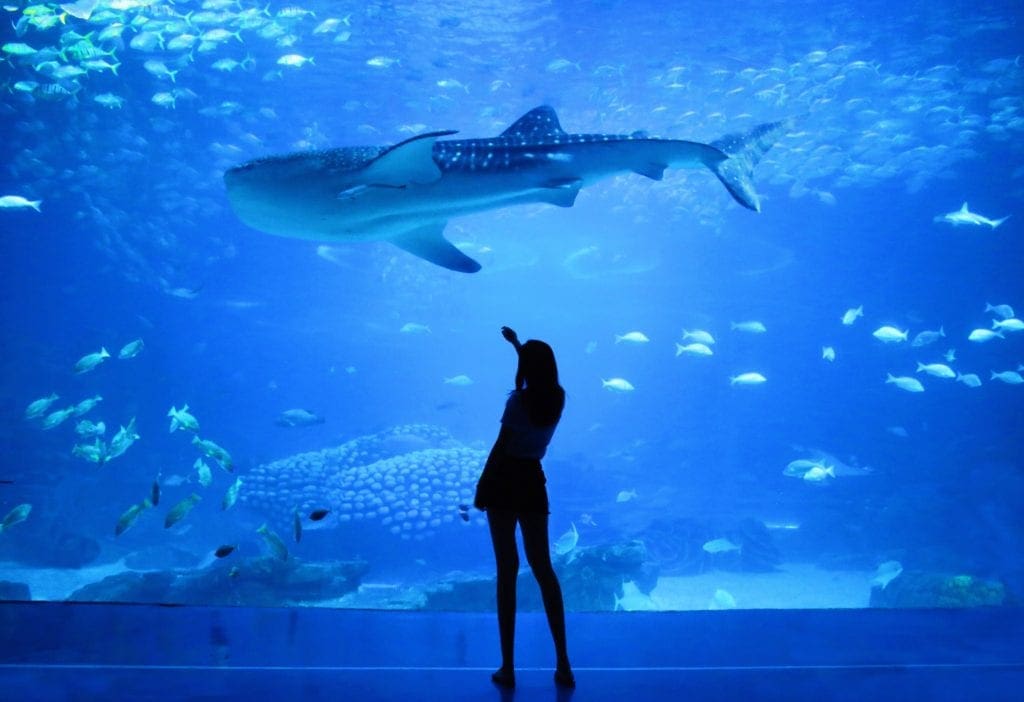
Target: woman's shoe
x=504 y=678
x=565 y=678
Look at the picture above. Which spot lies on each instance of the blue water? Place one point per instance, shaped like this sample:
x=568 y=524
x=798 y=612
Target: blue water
x=901 y=112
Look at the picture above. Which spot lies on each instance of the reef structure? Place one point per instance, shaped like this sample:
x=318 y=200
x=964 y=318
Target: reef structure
x=410 y=478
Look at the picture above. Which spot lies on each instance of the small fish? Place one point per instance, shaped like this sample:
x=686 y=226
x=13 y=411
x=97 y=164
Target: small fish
x=694 y=349
x=905 y=383
x=181 y=419
x=818 y=474
x=747 y=379
x=57 y=417
x=965 y=216
x=850 y=316
x=890 y=335
x=414 y=328
x=158 y=69
x=17 y=202
x=273 y=542
x=939 y=370
x=722 y=599
x=109 y=100
x=625 y=495
x=37 y=408
x=131 y=349
x=89 y=361
x=797 y=468
x=225 y=550
x=212 y=450
x=381 y=62
x=971 y=380
x=123 y=439
x=231 y=496
x=720 y=546
x=567 y=541
x=164 y=100
x=154 y=493
x=459 y=381
x=1004 y=311
x=886 y=573
x=928 y=337
x=85 y=428
x=295 y=61
x=15 y=516
x=1011 y=325
x=130 y=516
x=328 y=25
x=633 y=337
x=18 y=49
x=234 y=572
x=950 y=355
x=298 y=418
x=559 y=65
x=94 y=453
x=752 y=327
x=700 y=336
x=87 y=404
x=296 y=525
x=617 y=385
x=828 y=353
x=205 y=475
x=181 y=510
x=1008 y=377
x=980 y=336
x=464 y=512
x=317 y=514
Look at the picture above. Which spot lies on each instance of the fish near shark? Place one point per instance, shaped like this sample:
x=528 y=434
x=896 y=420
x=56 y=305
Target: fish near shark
x=406 y=193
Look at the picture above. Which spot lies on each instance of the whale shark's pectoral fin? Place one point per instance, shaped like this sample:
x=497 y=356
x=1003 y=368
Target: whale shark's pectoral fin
x=428 y=243
x=410 y=162
x=654 y=171
x=561 y=192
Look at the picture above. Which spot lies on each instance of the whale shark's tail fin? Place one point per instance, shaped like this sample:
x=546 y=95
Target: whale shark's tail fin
x=744 y=152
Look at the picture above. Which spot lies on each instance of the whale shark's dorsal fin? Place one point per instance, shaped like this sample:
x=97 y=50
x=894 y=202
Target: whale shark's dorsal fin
x=964 y=208
x=536 y=124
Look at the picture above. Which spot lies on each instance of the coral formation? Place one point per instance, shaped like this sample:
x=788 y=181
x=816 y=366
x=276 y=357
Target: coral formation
x=264 y=581
x=410 y=478
x=921 y=589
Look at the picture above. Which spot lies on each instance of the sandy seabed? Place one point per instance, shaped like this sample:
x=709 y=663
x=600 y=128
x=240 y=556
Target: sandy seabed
x=792 y=586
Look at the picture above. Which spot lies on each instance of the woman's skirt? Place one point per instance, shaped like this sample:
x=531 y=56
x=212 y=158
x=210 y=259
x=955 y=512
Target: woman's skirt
x=511 y=483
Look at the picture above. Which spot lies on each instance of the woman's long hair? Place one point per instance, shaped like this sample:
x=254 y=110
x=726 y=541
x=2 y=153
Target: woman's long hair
x=537 y=382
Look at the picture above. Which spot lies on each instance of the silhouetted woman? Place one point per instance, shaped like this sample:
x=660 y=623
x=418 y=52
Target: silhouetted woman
x=512 y=490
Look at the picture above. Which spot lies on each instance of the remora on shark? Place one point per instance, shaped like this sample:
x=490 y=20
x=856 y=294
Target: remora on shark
x=406 y=193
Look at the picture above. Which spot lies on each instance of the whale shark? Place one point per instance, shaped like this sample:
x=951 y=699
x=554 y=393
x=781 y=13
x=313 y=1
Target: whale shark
x=406 y=193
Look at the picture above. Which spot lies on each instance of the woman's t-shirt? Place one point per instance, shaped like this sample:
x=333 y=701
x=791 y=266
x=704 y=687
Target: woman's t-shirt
x=526 y=439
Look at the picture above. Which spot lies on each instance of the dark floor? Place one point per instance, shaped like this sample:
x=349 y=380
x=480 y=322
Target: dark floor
x=53 y=651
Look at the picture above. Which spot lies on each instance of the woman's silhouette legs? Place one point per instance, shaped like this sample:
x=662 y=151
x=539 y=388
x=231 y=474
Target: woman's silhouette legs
x=503 y=536
x=535 y=541
x=538 y=555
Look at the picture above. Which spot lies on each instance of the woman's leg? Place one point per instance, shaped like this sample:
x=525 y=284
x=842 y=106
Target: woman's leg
x=538 y=555
x=503 y=536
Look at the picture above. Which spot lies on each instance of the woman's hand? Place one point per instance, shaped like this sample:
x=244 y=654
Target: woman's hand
x=510 y=336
